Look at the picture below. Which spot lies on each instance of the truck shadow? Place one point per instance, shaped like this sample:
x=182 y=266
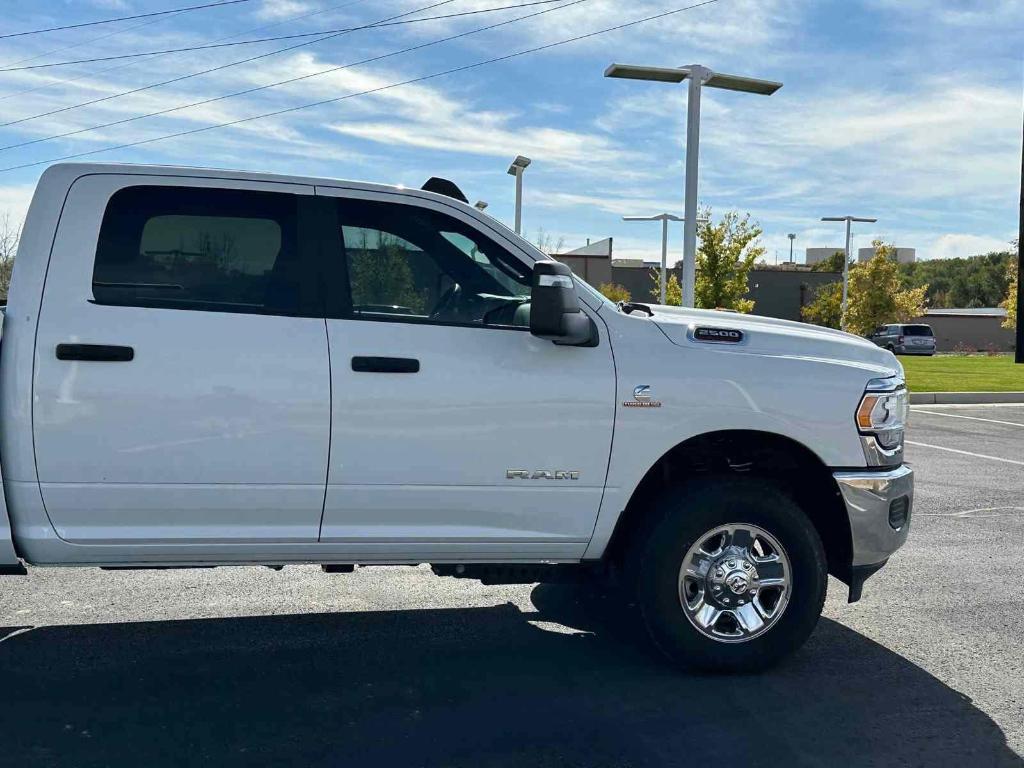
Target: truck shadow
x=462 y=687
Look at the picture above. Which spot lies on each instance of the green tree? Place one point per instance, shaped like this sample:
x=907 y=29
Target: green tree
x=1010 y=302
x=876 y=296
x=975 y=281
x=615 y=292
x=833 y=263
x=827 y=307
x=673 y=290
x=727 y=252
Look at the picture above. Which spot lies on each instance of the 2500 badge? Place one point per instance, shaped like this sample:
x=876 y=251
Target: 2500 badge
x=722 y=335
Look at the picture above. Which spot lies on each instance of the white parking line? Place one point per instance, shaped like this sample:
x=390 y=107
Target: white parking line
x=972 y=418
x=981 y=512
x=961 y=406
x=966 y=453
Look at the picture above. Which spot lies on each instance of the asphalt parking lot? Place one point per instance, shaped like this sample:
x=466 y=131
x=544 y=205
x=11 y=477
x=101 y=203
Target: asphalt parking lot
x=392 y=666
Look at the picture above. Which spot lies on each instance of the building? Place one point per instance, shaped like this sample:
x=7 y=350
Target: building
x=592 y=262
x=813 y=256
x=969 y=330
x=780 y=290
x=785 y=290
x=635 y=275
x=903 y=255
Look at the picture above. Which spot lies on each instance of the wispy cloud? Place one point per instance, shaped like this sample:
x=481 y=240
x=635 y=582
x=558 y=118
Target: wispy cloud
x=274 y=10
x=976 y=13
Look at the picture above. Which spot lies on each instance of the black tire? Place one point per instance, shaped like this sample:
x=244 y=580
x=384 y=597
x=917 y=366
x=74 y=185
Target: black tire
x=682 y=516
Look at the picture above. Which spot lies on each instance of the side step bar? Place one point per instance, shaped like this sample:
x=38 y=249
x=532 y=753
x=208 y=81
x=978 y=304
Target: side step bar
x=521 y=573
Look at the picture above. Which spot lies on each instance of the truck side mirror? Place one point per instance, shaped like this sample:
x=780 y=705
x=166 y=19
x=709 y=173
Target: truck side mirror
x=555 y=312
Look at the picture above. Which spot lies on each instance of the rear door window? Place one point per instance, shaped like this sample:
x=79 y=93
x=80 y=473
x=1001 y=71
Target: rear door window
x=917 y=330
x=202 y=249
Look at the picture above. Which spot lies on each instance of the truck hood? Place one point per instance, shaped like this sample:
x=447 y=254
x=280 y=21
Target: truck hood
x=768 y=336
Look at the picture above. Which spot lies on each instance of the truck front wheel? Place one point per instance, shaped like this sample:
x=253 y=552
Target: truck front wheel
x=731 y=576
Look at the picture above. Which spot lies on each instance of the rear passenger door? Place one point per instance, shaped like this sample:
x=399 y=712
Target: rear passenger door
x=182 y=387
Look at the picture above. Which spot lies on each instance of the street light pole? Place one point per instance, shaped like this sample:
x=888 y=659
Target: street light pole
x=516 y=169
x=664 y=259
x=664 y=218
x=698 y=76
x=1018 y=356
x=846 y=261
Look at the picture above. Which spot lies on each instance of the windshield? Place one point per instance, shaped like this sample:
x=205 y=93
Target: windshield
x=917 y=330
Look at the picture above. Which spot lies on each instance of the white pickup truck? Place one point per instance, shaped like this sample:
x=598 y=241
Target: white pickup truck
x=205 y=367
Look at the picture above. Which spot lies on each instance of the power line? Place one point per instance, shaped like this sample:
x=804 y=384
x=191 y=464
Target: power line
x=128 y=65
x=7 y=64
x=122 y=18
x=220 y=67
x=296 y=79
x=369 y=91
x=298 y=35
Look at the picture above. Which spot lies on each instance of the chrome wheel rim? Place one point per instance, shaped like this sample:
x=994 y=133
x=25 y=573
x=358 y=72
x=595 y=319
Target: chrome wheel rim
x=735 y=582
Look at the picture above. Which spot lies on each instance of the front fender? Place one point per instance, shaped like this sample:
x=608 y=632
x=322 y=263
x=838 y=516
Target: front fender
x=702 y=389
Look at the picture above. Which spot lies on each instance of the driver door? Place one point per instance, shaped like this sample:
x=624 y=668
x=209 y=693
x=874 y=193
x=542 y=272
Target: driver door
x=440 y=394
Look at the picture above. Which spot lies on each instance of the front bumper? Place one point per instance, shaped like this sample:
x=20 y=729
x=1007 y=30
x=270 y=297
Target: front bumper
x=879 y=506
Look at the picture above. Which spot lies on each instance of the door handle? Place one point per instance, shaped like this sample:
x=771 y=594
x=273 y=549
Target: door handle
x=385 y=364
x=96 y=353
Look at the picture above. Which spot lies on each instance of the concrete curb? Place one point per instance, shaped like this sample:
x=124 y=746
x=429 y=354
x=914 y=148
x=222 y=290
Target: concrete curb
x=965 y=398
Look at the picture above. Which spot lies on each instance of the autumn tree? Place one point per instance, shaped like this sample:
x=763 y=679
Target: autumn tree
x=615 y=292
x=1010 y=302
x=673 y=290
x=827 y=307
x=876 y=296
x=727 y=252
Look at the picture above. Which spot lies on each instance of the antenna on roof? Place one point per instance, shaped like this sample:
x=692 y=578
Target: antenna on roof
x=444 y=187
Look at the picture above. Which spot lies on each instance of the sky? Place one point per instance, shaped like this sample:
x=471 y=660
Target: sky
x=905 y=110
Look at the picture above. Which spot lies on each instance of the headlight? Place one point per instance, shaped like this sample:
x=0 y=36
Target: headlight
x=882 y=415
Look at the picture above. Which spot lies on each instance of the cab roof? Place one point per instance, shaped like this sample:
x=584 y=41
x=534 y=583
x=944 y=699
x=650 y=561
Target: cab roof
x=83 y=169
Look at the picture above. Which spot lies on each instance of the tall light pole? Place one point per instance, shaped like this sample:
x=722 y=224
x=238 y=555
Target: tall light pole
x=1018 y=356
x=698 y=76
x=792 y=237
x=846 y=261
x=664 y=218
x=516 y=169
